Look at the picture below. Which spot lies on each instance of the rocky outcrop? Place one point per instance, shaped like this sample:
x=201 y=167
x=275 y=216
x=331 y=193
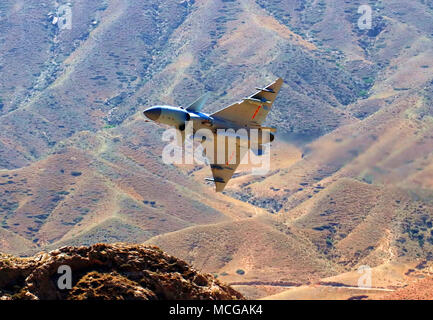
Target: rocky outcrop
x=107 y=272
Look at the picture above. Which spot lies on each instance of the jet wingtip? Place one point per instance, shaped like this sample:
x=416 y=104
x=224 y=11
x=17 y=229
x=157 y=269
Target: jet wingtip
x=219 y=187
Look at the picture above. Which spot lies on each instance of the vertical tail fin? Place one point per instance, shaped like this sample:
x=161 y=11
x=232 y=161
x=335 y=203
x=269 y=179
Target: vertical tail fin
x=197 y=105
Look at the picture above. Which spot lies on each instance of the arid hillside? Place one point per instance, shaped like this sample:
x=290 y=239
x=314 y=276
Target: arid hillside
x=351 y=179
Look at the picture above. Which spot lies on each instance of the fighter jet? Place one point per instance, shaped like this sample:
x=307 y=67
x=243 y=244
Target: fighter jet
x=249 y=113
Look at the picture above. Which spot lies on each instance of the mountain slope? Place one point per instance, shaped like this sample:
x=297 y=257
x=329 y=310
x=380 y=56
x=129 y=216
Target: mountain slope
x=351 y=168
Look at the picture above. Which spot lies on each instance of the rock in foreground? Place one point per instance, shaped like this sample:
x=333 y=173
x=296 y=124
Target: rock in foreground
x=108 y=272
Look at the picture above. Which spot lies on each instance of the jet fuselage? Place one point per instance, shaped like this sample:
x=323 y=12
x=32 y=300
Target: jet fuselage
x=235 y=124
x=178 y=116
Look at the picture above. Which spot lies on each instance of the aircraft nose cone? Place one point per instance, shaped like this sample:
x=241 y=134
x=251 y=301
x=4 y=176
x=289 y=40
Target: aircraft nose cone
x=152 y=113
